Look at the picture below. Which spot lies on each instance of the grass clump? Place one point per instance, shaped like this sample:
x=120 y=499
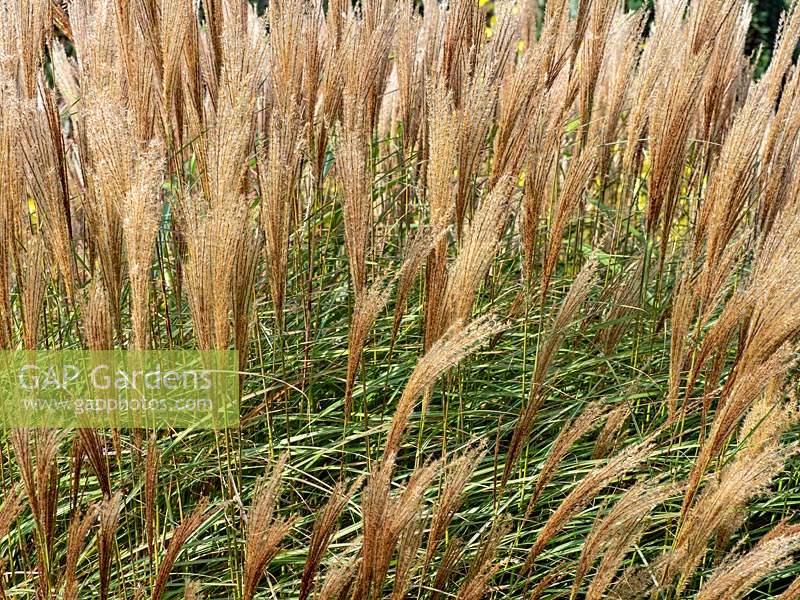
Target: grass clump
x=515 y=291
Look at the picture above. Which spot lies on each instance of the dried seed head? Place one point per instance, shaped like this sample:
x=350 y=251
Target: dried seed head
x=264 y=531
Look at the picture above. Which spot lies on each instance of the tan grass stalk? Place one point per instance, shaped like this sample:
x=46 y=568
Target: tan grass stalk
x=736 y=398
x=355 y=180
x=246 y=254
x=95 y=33
x=29 y=25
x=424 y=243
x=577 y=179
x=792 y=592
x=442 y=142
x=732 y=183
x=180 y=536
x=674 y=102
x=613 y=534
x=776 y=175
x=462 y=35
x=9 y=511
x=414 y=54
x=766 y=347
x=616 y=83
x=531 y=15
x=264 y=530
x=636 y=582
x=545 y=138
x=212 y=269
x=93 y=445
x=110 y=510
x=439 y=194
x=98 y=331
x=578 y=292
x=279 y=177
x=611 y=435
x=625 y=302
x=735 y=313
x=107 y=161
x=775 y=321
x=329 y=103
x=366 y=63
x=613 y=558
x=569 y=434
x=140 y=61
x=767 y=420
x=212 y=52
x=719 y=505
x=475 y=115
x=736 y=576
x=366 y=310
x=481 y=241
x=366 y=46
x=65 y=73
x=78 y=531
x=33 y=281
x=140 y=214
x=11 y=193
x=683 y=311
x=546 y=582
x=228 y=143
x=446 y=567
x=339 y=580
x=192 y=591
x=408 y=560
x=519 y=94
x=290 y=38
x=456 y=344
x=483 y=568
x=725 y=67
x=98 y=327
x=560 y=36
x=174 y=26
x=194 y=67
x=658 y=51
x=456 y=476
x=377 y=546
x=785 y=46
x=42 y=154
x=40 y=480
x=323 y=532
x=601 y=15
x=386 y=517
x=585 y=491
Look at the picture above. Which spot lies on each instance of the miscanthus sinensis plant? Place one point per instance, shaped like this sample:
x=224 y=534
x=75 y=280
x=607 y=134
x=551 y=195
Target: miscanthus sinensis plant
x=515 y=290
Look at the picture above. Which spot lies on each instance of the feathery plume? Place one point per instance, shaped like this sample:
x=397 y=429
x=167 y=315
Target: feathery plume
x=457 y=474
x=264 y=531
x=451 y=348
x=180 y=536
x=570 y=433
x=78 y=530
x=40 y=481
x=109 y=512
x=279 y=174
x=585 y=491
x=324 y=529
x=735 y=577
x=578 y=292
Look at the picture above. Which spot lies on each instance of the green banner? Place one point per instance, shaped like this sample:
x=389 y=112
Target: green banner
x=119 y=388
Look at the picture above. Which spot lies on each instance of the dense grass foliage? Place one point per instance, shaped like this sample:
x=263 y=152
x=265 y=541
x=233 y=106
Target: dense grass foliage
x=516 y=297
